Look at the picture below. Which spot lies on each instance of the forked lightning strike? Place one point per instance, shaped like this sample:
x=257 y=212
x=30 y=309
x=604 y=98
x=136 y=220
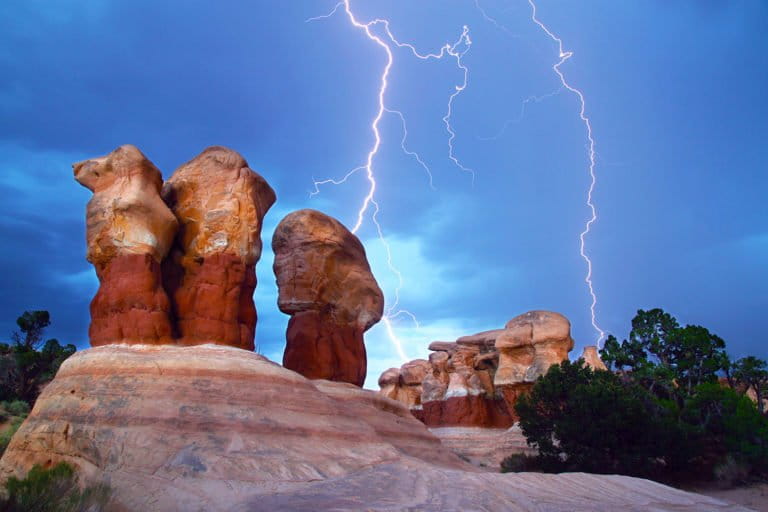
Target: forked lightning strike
x=564 y=56
x=456 y=50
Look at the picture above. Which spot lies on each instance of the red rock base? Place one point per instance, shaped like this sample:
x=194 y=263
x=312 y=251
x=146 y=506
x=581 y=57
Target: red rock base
x=466 y=411
x=213 y=301
x=318 y=348
x=131 y=305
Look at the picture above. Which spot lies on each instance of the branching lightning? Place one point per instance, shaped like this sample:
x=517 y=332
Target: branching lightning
x=457 y=50
x=564 y=56
x=379 y=32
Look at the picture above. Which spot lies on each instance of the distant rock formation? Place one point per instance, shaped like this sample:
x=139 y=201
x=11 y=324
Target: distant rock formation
x=592 y=358
x=326 y=285
x=129 y=232
x=476 y=380
x=210 y=274
x=215 y=428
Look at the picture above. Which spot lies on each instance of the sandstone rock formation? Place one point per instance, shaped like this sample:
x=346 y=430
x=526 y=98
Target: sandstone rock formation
x=129 y=231
x=483 y=447
x=528 y=346
x=213 y=428
x=592 y=358
x=327 y=287
x=210 y=274
x=476 y=380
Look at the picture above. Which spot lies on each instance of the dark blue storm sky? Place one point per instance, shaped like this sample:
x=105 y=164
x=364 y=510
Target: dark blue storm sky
x=676 y=92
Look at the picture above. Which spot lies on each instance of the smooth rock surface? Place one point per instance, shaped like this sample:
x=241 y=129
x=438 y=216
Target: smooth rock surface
x=129 y=231
x=210 y=273
x=214 y=428
x=326 y=285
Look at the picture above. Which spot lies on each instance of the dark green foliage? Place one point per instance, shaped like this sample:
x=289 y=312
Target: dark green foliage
x=16 y=408
x=520 y=462
x=586 y=420
x=7 y=434
x=666 y=359
x=24 y=368
x=52 y=490
x=726 y=424
x=32 y=325
x=751 y=372
x=661 y=413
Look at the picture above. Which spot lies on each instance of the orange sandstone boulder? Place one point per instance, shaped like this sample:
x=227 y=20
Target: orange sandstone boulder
x=210 y=274
x=592 y=358
x=476 y=380
x=326 y=285
x=129 y=231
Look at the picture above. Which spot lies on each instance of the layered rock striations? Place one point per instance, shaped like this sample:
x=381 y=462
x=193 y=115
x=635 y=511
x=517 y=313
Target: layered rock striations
x=129 y=231
x=476 y=380
x=326 y=285
x=213 y=428
x=210 y=274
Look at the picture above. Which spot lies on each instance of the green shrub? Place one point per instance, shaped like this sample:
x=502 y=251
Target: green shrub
x=521 y=462
x=7 y=434
x=584 y=420
x=16 y=408
x=727 y=425
x=52 y=490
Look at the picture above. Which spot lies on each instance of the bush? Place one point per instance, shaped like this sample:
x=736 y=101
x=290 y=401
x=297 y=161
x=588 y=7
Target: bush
x=7 y=434
x=727 y=425
x=16 y=408
x=520 y=463
x=52 y=490
x=585 y=420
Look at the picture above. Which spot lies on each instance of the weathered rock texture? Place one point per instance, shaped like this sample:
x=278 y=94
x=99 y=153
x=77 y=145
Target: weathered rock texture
x=592 y=358
x=129 y=231
x=212 y=428
x=476 y=380
x=483 y=447
x=326 y=285
x=210 y=274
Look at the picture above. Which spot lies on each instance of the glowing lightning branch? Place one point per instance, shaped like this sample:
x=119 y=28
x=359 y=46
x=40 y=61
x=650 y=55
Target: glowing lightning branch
x=456 y=50
x=564 y=56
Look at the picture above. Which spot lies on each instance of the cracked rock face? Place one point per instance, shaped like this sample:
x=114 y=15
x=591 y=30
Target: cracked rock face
x=476 y=380
x=326 y=285
x=129 y=231
x=210 y=273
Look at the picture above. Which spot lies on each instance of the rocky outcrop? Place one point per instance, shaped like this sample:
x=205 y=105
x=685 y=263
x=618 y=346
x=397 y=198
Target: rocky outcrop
x=129 y=231
x=476 y=380
x=483 y=447
x=213 y=428
x=528 y=346
x=592 y=358
x=210 y=274
x=326 y=285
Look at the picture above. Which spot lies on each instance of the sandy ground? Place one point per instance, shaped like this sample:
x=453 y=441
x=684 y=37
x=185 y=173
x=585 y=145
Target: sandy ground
x=754 y=496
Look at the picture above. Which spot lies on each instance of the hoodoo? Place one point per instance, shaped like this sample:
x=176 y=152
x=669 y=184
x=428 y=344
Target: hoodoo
x=129 y=231
x=327 y=287
x=210 y=274
x=476 y=380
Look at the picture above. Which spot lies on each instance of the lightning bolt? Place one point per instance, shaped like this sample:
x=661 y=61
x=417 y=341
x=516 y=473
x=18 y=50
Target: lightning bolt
x=564 y=56
x=457 y=50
